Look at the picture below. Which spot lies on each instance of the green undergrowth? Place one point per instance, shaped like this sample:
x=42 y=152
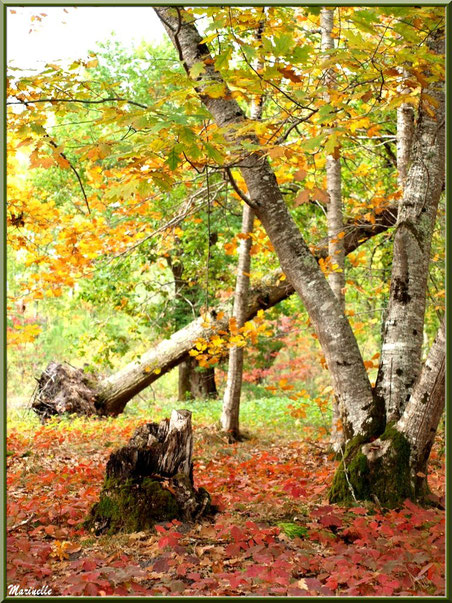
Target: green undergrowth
x=256 y=414
x=266 y=418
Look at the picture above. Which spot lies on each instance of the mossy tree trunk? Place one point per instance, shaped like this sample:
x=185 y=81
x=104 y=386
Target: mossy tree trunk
x=393 y=466
x=374 y=444
x=150 y=479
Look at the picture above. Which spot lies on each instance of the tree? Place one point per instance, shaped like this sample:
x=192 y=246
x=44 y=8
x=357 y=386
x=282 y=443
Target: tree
x=212 y=133
x=334 y=211
x=365 y=416
x=63 y=389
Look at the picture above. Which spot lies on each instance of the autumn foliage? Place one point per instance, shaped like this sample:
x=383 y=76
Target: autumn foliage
x=274 y=533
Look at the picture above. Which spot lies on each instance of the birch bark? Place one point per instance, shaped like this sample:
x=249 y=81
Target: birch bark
x=421 y=416
x=403 y=332
x=335 y=222
x=231 y=402
x=362 y=413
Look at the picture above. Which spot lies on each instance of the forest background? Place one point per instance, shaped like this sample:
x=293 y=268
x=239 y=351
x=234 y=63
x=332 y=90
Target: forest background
x=89 y=285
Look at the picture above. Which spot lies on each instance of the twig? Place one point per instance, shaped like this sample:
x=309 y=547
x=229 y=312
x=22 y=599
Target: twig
x=236 y=187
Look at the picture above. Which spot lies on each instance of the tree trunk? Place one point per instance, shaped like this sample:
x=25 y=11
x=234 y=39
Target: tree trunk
x=150 y=479
x=193 y=383
x=335 y=221
x=231 y=401
x=196 y=383
x=394 y=466
x=360 y=410
x=421 y=416
x=400 y=362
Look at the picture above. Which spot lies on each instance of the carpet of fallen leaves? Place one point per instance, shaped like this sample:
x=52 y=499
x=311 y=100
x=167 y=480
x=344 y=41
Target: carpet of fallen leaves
x=55 y=474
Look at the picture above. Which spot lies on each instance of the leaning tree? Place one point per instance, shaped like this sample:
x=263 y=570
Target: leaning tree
x=388 y=428
x=65 y=389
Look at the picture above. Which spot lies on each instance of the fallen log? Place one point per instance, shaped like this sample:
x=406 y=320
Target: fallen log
x=110 y=395
x=150 y=480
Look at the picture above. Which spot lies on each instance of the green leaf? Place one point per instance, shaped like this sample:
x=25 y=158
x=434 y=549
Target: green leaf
x=313 y=143
x=293 y=530
x=213 y=153
x=283 y=44
x=197 y=69
x=173 y=158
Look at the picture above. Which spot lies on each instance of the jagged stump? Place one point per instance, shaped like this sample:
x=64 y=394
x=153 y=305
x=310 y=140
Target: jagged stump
x=150 y=480
x=62 y=389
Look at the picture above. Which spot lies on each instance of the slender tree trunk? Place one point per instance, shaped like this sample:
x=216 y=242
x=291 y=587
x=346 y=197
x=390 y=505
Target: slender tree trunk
x=231 y=401
x=65 y=389
x=335 y=221
x=404 y=325
x=360 y=410
x=421 y=416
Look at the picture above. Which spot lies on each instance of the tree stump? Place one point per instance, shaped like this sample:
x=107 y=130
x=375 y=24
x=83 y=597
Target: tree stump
x=150 y=480
x=63 y=388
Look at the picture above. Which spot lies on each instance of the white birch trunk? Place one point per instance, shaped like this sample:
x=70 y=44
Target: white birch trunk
x=335 y=221
x=403 y=333
x=231 y=401
x=421 y=416
x=349 y=376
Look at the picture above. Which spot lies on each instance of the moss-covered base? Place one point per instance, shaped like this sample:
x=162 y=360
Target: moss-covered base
x=132 y=506
x=378 y=471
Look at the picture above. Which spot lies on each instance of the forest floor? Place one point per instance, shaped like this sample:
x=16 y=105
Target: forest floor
x=274 y=533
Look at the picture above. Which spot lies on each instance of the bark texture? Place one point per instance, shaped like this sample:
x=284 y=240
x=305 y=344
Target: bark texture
x=335 y=220
x=393 y=467
x=231 y=401
x=423 y=412
x=195 y=383
x=403 y=332
x=334 y=214
x=150 y=479
x=405 y=131
x=361 y=411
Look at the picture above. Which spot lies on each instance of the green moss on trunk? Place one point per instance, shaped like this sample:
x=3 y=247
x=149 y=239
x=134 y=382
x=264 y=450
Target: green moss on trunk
x=132 y=506
x=378 y=470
